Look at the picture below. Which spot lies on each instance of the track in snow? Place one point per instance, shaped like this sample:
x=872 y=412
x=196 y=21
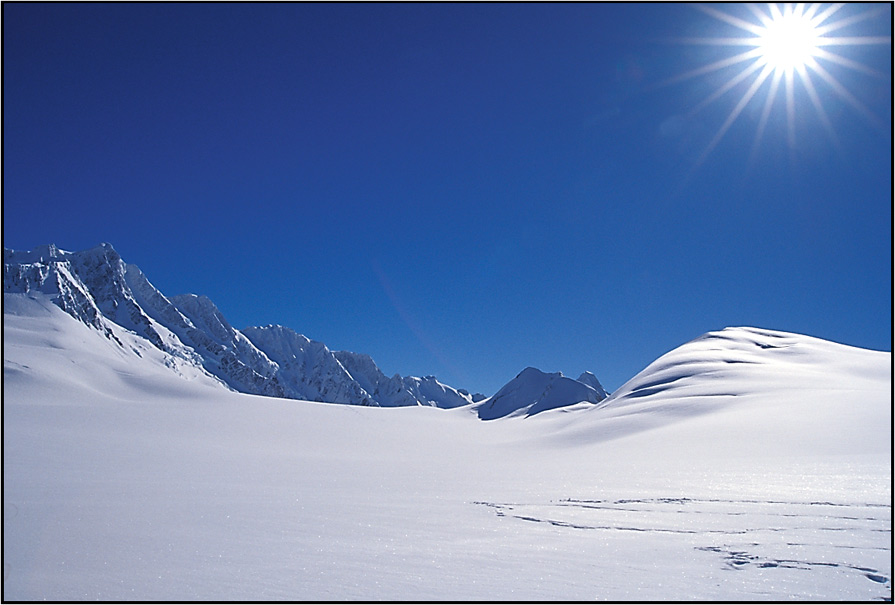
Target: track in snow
x=762 y=536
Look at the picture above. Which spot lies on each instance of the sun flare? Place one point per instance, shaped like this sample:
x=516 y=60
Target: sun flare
x=788 y=40
x=786 y=49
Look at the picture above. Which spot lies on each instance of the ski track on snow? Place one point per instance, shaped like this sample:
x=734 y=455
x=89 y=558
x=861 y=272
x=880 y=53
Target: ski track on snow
x=745 y=534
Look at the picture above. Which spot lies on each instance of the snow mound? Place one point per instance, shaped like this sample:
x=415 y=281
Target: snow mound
x=757 y=389
x=734 y=362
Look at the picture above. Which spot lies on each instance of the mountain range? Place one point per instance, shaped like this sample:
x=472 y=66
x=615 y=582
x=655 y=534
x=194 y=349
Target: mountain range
x=97 y=287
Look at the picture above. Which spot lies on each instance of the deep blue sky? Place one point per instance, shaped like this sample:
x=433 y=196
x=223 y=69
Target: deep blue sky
x=460 y=190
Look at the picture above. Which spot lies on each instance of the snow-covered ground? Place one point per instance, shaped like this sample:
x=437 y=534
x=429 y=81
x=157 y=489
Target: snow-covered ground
x=747 y=464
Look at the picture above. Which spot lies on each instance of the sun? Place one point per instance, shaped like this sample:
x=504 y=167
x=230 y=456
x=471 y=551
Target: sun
x=786 y=49
x=788 y=40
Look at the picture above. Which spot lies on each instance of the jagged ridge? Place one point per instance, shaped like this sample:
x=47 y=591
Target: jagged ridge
x=98 y=288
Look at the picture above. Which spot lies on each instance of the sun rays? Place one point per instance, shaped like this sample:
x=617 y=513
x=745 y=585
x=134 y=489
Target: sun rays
x=785 y=51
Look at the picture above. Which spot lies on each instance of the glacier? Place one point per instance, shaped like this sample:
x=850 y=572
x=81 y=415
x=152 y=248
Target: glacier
x=747 y=464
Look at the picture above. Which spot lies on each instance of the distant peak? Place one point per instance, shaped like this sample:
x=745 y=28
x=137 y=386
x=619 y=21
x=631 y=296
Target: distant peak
x=103 y=251
x=272 y=327
x=39 y=254
x=197 y=303
x=532 y=371
x=534 y=391
x=200 y=299
x=105 y=247
x=50 y=249
x=277 y=331
x=590 y=380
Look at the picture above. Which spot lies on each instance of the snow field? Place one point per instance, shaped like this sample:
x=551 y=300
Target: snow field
x=124 y=480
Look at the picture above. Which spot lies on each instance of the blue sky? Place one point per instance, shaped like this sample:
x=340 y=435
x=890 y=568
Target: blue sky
x=461 y=190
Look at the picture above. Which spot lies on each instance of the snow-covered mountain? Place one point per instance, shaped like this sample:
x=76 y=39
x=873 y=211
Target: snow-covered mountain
x=534 y=391
x=400 y=391
x=307 y=368
x=98 y=288
x=590 y=380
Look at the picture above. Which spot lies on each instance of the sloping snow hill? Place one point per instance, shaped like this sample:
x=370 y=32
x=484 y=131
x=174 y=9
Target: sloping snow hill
x=765 y=389
x=745 y=465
